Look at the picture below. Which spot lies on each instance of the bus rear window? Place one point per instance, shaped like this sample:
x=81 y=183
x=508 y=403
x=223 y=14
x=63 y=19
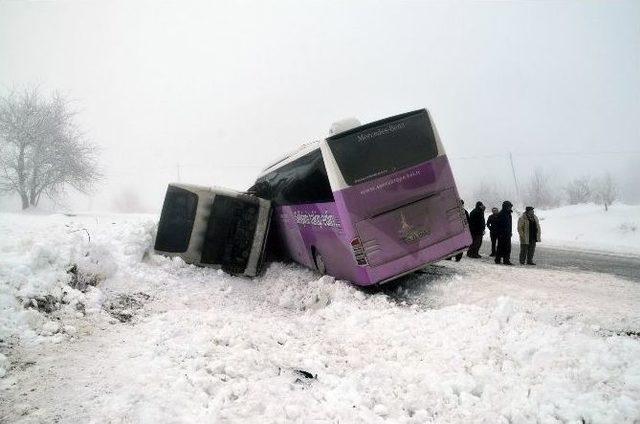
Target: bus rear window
x=176 y=220
x=383 y=147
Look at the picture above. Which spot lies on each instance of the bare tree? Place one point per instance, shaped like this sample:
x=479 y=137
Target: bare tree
x=491 y=194
x=41 y=149
x=605 y=191
x=540 y=192
x=579 y=190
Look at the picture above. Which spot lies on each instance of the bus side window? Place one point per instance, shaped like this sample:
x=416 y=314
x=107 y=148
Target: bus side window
x=312 y=187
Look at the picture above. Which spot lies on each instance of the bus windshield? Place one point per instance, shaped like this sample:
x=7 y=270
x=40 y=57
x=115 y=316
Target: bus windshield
x=383 y=147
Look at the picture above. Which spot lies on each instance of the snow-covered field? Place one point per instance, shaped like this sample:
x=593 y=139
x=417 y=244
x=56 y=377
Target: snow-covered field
x=159 y=341
x=590 y=227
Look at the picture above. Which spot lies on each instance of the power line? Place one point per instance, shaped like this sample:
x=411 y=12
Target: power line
x=194 y=165
x=579 y=154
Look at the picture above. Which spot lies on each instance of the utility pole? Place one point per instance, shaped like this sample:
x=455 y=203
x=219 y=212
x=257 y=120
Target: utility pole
x=178 y=169
x=515 y=180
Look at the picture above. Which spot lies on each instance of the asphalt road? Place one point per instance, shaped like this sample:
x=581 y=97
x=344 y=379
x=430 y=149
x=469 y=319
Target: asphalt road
x=548 y=257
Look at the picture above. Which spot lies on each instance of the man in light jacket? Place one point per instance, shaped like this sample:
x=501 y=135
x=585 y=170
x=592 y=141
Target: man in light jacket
x=529 y=231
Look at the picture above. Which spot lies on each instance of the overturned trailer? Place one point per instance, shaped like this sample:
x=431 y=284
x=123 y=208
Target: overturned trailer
x=214 y=227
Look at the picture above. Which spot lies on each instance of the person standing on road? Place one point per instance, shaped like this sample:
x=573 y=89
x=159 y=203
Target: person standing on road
x=504 y=228
x=491 y=225
x=529 y=232
x=466 y=215
x=476 y=226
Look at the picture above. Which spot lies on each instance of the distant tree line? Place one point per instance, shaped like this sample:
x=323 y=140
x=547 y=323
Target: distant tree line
x=541 y=190
x=42 y=151
x=602 y=190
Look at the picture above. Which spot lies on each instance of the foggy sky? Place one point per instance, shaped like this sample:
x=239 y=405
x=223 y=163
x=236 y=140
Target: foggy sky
x=211 y=92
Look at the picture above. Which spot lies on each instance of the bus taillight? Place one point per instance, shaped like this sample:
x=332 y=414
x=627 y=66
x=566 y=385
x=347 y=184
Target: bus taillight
x=358 y=251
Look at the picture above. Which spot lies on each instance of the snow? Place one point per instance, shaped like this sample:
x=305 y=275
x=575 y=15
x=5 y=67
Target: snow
x=344 y=125
x=157 y=340
x=590 y=227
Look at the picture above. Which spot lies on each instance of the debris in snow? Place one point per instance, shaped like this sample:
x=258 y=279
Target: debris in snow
x=46 y=303
x=125 y=306
x=80 y=281
x=634 y=334
x=4 y=365
x=306 y=374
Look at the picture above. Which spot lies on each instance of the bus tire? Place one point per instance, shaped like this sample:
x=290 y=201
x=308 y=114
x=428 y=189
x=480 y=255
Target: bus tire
x=317 y=259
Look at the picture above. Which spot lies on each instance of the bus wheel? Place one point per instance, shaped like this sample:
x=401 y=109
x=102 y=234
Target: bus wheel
x=317 y=258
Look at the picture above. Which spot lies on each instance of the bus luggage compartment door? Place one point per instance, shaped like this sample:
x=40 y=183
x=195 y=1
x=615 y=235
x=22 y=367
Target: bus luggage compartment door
x=409 y=228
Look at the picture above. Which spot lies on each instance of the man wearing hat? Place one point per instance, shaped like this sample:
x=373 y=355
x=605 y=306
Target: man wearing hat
x=503 y=230
x=529 y=231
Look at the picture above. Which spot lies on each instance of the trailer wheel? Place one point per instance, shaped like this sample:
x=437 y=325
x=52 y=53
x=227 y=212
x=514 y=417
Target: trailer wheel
x=317 y=258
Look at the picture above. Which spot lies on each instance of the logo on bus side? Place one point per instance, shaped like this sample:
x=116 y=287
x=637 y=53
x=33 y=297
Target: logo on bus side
x=410 y=234
x=316 y=219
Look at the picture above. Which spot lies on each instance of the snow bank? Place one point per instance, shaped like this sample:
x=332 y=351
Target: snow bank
x=590 y=227
x=51 y=267
x=462 y=342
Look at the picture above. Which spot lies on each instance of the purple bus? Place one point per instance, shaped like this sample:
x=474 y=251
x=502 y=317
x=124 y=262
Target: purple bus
x=369 y=204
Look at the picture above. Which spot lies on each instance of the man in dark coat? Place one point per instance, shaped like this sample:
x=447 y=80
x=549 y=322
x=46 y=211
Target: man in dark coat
x=491 y=225
x=476 y=227
x=504 y=231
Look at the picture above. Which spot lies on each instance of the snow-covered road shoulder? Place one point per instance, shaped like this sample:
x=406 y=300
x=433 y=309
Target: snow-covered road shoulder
x=462 y=342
